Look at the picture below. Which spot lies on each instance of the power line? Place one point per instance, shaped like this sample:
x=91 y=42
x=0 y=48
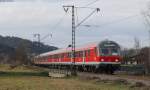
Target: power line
x=59 y=22
x=46 y=36
x=55 y=26
x=112 y=22
x=91 y=3
x=86 y=7
x=97 y=9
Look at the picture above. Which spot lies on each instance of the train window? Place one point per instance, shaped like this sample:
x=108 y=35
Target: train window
x=67 y=55
x=70 y=54
x=62 y=56
x=81 y=53
x=56 y=56
x=76 y=54
x=88 y=52
x=95 y=51
x=85 y=53
x=114 y=51
x=105 y=51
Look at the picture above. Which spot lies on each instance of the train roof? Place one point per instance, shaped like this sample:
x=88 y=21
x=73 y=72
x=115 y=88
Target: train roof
x=83 y=47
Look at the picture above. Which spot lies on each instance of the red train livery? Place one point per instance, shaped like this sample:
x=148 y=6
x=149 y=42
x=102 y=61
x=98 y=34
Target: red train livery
x=101 y=56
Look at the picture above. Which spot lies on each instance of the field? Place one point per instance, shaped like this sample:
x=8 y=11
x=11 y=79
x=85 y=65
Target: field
x=33 y=78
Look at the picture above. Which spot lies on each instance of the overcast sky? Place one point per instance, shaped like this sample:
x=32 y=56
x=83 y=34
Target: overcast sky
x=118 y=20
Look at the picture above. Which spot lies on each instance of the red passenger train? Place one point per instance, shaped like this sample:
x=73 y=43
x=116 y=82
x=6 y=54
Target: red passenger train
x=98 y=57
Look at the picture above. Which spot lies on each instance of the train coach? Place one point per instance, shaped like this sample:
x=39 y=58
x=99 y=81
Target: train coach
x=97 y=57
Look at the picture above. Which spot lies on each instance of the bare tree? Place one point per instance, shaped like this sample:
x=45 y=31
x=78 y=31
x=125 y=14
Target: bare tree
x=137 y=45
x=21 y=56
x=146 y=15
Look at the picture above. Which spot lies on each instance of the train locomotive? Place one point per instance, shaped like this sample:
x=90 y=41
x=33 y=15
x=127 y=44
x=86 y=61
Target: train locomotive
x=103 y=56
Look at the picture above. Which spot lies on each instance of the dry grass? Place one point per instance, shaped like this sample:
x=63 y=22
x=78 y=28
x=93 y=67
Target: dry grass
x=31 y=78
x=21 y=68
x=46 y=83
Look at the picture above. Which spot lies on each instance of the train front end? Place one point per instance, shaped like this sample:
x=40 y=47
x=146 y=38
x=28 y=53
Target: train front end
x=109 y=56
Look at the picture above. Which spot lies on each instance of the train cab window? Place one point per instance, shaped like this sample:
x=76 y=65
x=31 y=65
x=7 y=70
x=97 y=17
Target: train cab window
x=105 y=51
x=114 y=51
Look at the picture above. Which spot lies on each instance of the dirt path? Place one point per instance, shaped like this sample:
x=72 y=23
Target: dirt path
x=129 y=79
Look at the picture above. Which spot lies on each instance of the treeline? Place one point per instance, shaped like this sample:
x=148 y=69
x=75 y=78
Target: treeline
x=137 y=57
x=14 y=50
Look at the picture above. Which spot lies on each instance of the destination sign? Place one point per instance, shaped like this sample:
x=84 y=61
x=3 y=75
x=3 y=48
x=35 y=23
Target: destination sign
x=109 y=45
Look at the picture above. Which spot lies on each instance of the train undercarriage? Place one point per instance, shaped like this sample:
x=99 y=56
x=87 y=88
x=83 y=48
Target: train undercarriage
x=102 y=68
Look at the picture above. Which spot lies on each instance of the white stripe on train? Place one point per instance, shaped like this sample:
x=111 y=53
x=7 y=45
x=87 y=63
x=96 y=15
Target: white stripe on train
x=78 y=63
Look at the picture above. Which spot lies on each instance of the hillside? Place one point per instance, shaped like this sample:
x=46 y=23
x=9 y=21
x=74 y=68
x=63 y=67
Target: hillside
x=10 y=43
x=14 y=50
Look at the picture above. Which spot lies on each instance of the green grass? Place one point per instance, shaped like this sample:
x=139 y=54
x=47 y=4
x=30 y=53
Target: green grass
x=21 y=74
x=34 y=78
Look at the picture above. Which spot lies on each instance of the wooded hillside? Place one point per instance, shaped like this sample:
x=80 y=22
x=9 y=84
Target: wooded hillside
x=13 y=48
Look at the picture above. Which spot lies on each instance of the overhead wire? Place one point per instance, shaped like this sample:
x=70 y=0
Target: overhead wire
x=59 y=21
x=86 y=18
x=113 y=22
x=91 y=3
x=55 y=26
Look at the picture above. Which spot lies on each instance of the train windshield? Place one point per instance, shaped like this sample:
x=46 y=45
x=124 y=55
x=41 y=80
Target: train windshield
x=105 y=51
x=109 y=48
x=109 y=51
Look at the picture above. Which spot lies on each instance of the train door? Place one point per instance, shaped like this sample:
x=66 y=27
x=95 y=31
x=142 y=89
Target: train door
x=83 y=57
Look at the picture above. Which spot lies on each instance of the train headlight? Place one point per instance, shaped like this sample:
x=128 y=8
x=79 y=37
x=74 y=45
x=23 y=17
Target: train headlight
x=102 y=60
x=116 y=60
